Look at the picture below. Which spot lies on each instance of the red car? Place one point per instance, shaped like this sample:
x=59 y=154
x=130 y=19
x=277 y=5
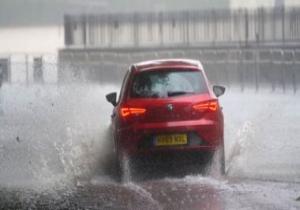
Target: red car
x=167 y=107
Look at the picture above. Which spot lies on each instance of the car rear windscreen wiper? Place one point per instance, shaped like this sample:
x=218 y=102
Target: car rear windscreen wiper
x=177 y=93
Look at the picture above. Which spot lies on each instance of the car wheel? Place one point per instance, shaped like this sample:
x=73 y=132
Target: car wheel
x=124 y=167
x=216 y=163
x=222 y=160
x=219 y=161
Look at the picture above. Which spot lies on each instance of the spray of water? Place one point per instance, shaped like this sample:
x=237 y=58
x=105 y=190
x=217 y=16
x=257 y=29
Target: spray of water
x=57 y=134
x=261 y=135
x=53 y=134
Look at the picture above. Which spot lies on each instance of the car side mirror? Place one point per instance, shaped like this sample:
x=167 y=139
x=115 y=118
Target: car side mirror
x=112 y=98
x=218 y=90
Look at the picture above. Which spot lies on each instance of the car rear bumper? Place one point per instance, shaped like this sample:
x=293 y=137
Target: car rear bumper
x=139 y=139
x=168 y=157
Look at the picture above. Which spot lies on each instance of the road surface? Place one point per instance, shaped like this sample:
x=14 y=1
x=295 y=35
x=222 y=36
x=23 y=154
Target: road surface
x=55 y=154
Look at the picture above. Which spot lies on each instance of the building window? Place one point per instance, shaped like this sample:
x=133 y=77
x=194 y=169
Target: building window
x=173 y=23
x=4 y=70
x=116 y=24
x=38 y=70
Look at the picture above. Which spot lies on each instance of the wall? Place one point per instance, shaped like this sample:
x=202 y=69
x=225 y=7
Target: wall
x=38 y=39
x=251 y=4
x=20 y=45
x=292 y=3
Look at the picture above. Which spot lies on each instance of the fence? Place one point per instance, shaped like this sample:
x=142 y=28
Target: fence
x=185 y=28
x=272 y=68
x=255 y=68
x=29 y=69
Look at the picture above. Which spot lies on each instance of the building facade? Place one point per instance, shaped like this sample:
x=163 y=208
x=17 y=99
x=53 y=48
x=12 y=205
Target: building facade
x=32 y=31
x=240 y=27
x=253 y=4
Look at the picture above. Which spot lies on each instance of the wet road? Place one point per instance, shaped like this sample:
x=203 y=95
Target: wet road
x=192 y=192
x=54 y=154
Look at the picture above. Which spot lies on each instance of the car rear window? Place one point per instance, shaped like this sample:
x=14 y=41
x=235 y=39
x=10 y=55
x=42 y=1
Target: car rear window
x=167 y=83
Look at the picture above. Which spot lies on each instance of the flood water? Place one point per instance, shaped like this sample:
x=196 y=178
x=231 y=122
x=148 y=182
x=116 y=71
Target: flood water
x=55 y=153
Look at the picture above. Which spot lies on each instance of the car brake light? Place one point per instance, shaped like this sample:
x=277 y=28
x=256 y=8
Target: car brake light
x=207 y=106
x=125 y=111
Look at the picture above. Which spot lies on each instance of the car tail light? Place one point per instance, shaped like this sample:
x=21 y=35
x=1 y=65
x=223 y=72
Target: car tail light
x=207 y=106
x=131 y=111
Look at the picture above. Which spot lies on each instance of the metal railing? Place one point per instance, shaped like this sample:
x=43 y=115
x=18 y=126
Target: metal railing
x=184 y=28
x=29 y=69
x=257 y=68
x=277 y=69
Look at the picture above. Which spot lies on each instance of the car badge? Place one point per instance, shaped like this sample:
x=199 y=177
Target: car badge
x=170 y=107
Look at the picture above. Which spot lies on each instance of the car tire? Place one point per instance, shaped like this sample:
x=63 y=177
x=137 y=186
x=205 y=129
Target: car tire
x=216 y=163
x=222 y=161
x=125 y=167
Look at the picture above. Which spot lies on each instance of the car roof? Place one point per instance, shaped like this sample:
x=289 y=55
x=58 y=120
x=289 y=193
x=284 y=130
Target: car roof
x=167 y=63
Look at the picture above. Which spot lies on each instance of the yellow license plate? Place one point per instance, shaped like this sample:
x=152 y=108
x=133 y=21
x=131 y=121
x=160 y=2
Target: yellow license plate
x=171 y=140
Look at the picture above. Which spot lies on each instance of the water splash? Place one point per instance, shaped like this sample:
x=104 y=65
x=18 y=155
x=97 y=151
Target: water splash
x=245 y=135
x=53 y=134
